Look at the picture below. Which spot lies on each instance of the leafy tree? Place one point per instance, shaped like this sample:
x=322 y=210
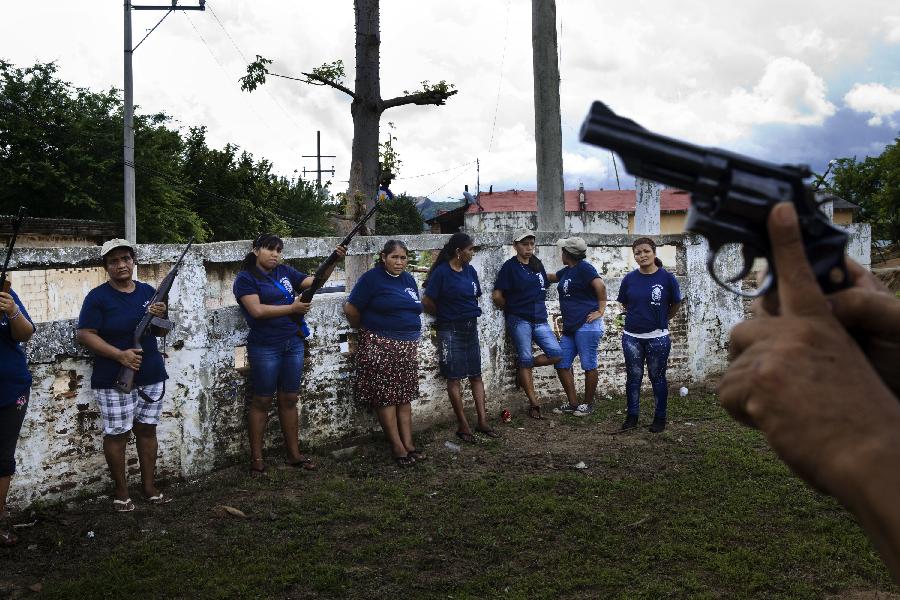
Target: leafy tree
x=874 y=185
x=399 y=215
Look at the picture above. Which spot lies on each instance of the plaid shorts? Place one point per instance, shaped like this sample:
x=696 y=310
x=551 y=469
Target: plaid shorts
x=120 y=410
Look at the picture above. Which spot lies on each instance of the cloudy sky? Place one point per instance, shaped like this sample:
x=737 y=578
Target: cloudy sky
x=800 y=81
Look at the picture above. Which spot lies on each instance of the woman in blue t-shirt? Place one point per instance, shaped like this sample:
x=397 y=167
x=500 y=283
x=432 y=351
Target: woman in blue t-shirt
x=520 y=291
x=15 y=383
x=109 y=315
x=452 y=290
x=384 y=305
x=268 y=294
x=582 y=302
x=650 y=296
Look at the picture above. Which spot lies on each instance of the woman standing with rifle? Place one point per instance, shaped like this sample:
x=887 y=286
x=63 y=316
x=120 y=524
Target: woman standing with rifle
x=384 y=305
x=266 y=291
x=109 y=316
x=15 y=383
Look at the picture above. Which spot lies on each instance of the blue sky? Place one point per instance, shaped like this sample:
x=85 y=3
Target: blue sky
x=796 y=81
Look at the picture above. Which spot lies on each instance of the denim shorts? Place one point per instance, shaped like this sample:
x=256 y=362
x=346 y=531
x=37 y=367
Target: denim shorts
x=524 y=332
x=276 y=367
x=459 y=350
x=583 y=343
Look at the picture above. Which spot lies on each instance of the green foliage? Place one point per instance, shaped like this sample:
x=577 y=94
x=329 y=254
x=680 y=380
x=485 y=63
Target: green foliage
x=256 y=74
x=60 y=154
x=399 y=215
x=441 y=88
x=873 y=184
x=388 y=155
x=333 y=72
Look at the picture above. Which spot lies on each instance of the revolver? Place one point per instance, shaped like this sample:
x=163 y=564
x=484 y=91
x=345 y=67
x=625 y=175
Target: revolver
x=731 y=196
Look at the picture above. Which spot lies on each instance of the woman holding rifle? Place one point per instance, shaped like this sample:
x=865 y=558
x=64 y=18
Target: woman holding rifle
x=109 y=316
x=265 y=290
x=15 y=382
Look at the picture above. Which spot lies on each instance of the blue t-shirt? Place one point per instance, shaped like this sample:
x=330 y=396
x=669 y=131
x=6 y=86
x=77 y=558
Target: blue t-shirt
x=389 y=305
x=524 y=290
x=577 y=298
x=648 y=298
x=115 y=315
x=454 y=292
x=15 y=379
x=269 y=332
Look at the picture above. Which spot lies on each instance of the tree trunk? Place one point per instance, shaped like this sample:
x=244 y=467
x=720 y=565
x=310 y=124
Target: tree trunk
x=366 y=111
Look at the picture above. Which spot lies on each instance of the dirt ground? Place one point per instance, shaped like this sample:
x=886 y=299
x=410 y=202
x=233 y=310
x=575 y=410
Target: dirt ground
x=76 y=549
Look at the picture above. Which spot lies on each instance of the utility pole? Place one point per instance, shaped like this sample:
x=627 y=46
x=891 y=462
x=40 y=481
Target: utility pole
x=318 y=156
x=551 y=208
x=128 y=126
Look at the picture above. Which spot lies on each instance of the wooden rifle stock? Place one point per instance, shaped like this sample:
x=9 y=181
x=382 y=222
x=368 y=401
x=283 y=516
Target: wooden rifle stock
x=125 y=379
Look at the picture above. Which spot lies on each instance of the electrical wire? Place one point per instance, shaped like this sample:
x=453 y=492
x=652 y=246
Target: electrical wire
x=500 y=81
x=434 y=172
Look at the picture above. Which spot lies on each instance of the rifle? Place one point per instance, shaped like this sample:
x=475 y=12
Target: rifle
x=731 y=196
x=319 y=277
x=17 y=224
x=125 y=379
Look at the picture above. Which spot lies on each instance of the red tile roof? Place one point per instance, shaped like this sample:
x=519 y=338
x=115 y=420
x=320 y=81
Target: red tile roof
x=596 y=201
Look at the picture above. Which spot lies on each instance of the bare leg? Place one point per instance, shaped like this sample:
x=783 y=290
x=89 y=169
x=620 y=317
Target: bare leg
x=7 y=537
x=147 y=447
x=567 y=379
x=477 y=385
x=590 y=385
x=387 y=416
x=454 y=391
x=404 y=424
x=114 y=451
x=257 y=415
x=290 y=425
x=542 y=360
x=527 y=381
x=4 y=489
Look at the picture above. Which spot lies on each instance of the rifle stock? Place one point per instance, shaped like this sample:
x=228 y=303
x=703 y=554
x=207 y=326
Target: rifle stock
x=17 y=224
x=125 y=378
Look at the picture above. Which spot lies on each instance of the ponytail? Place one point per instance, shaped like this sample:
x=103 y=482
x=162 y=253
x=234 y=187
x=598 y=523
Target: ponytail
x=457 y=241
x=269 y=241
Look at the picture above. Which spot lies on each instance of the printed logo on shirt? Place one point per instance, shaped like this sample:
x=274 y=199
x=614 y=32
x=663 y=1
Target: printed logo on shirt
x=540 y=277
x=146 y=302
x=656 y=294
x=566 y=286
x=412 y=293
x=474 y=289
x=287 y=284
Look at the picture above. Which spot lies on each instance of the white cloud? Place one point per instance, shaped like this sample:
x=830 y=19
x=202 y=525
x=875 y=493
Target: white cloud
x=874 y=98
x=892 y=29
x=802 y=41
x=788 y=92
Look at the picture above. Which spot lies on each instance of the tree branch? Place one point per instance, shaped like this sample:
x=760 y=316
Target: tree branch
x=314 y=79
x=430 y=97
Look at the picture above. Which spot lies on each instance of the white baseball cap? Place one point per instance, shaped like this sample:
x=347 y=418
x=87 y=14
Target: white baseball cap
x=521 y=234
x=115 y=243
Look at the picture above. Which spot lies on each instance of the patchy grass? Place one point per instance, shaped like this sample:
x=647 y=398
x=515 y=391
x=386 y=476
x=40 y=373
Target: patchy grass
x=703 y=510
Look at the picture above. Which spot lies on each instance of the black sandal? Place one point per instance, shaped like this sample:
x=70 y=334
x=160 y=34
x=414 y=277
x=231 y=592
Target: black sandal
x=257 y=472
x=404 y=461
x=534 y=411
x=491 y=433
x=466 y=437
x=304 y=463
x=416 y=455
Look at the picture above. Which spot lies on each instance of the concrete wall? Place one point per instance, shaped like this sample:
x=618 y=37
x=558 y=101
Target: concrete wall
x=202 y=426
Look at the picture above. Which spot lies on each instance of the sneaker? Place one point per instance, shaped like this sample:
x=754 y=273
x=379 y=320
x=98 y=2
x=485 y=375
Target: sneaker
x=566 y=409
x=583 y=410
x=657 y=426
x=631 y=421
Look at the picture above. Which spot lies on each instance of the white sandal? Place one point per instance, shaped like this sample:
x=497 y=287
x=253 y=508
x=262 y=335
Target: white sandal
x=159 y=499
x=123 y=506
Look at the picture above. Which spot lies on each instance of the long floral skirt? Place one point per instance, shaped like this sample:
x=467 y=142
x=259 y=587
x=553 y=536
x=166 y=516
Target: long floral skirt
x=387 y=370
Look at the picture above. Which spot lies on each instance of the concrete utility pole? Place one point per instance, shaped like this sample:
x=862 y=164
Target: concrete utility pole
x=551 y=208
x=128 y=109
x=646 y=206
x=318 y=156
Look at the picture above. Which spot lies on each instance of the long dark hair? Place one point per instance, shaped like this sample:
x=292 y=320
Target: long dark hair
x=457 y=241
x=534 y=263
x=269 y=241
x=652 y=244
x=390 y=246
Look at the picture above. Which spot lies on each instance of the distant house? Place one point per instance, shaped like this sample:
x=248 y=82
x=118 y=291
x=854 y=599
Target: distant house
x=596 y=211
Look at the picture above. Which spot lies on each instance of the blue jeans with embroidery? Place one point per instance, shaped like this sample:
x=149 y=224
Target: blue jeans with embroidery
x=655 y=352
x=524 y=332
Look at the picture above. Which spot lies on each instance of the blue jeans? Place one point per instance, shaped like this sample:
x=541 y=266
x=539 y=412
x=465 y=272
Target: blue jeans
x=655 y=351
x=459 y=350
x=523 y=332
x=276 y=367
x=584 y=344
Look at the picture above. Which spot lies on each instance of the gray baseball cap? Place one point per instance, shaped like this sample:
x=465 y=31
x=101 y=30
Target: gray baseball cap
x=111 y=245
x=521 y=234
x=572 y=245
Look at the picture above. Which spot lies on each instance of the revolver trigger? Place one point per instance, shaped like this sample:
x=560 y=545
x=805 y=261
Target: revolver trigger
x=748 y=256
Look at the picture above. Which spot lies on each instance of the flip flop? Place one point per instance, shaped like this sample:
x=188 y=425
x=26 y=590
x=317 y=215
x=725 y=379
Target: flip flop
x=491 y=433
x=417 y=455
x=257 y=471
x=304 y=463
x=8 y=538
x=466 y=437
x=160 y=498
x=534 y=411
x=404 y=461
x=123 y=506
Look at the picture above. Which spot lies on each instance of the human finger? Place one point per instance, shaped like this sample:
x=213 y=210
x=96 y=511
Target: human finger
x=798 y=291
x=861 y=277
x=868 y=311
x=746 y=333
x=734 y=391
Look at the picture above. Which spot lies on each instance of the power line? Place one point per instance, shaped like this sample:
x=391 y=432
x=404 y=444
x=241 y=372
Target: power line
x=435 y=172
x=500 y=81
x=445 y=183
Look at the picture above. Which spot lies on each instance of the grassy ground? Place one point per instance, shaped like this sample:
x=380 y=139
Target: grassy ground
x=703 y=510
